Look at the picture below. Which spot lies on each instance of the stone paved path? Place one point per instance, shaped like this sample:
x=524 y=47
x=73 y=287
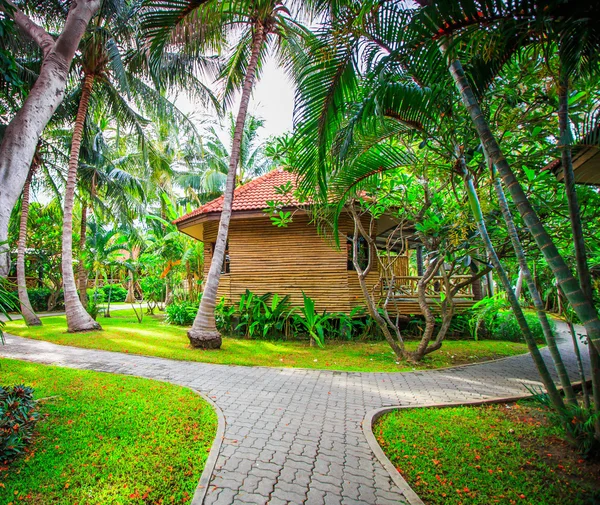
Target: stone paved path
x=294 y=436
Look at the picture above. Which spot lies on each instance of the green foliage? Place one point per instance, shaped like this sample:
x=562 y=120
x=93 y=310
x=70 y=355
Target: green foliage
x=38 y=298
x=312 y=321
x=575 y=421
x=96 y=295
x=92 y=308
x=18 y=417
x=181 y=313
x=117 y=293
x=505 y=327
x=490 y=319
x=8 y=303
x=225 y=317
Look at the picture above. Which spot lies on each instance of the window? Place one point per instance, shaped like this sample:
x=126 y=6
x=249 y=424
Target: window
x=363 y=253
x=225 y=268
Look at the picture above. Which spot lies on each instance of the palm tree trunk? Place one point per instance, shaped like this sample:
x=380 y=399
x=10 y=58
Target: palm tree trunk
x=535 y=294
x=581 y=304
x=82 y=275
x=553 y=393
x=31 y=319
x=77 y=317
x=583 y=271
x=203 y=332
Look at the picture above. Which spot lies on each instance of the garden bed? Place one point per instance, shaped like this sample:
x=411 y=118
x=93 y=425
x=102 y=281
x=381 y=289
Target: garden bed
x=107 y=438
x=122 y=333
x=506 y=454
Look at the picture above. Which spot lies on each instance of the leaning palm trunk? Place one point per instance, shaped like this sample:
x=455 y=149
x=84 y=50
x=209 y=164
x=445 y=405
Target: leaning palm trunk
x=24 y=130
x=77 y=317
x=553 y=393
x=204 y=331
x=583 y=271
x=31 y=319
x=535 y=295
x=82 y=275
x=579 y=301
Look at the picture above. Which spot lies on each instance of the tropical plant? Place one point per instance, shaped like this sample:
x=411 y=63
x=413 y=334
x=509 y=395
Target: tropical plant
x=258 y=26
x=18 y=417
x=312 y=321
x=181 y=313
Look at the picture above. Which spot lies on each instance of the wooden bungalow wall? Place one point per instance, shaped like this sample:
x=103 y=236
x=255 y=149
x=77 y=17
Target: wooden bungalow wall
x=287 y=261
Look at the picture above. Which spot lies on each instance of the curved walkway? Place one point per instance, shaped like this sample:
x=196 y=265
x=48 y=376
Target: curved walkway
x=293 y=435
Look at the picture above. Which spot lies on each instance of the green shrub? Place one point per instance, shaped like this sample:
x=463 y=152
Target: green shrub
x=505 y=327
x=38 y=297
x=96 y=296
x=117 y=293
x=92 y=308
x=181 y=313
x=18 y=416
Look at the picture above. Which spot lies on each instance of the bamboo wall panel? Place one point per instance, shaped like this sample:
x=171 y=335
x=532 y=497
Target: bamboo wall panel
x=286 y=261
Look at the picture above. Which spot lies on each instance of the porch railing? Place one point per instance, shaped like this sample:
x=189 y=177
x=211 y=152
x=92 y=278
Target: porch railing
x=406 y=287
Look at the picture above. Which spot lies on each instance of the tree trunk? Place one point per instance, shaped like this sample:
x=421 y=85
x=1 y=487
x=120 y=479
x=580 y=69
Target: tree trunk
x=31 y=319
x=519 y=285
x=525 y=273
x=583 y=272
x=23 y=132
x=583 y=307
x=553 y=393
x=204 y=333
x=77 y=317
x=82 y=274
x=130 y=298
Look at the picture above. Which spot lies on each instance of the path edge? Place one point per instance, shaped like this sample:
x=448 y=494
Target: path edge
x=213 y=455
x=371 y=417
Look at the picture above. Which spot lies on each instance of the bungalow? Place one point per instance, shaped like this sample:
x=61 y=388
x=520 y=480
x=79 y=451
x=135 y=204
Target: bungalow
x=293 y=259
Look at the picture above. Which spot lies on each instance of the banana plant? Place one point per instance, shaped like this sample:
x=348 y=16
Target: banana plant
x=313 y=321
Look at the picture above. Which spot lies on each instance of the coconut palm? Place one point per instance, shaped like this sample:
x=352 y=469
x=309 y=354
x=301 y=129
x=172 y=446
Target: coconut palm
x=209 y=165
x=258 y=27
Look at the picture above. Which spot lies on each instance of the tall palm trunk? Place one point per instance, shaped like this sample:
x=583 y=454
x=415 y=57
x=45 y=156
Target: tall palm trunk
x=535 y=294
x=77 y=317
x=583 y=271
x=28 y=314
x=82 y=274
x=581 y=304
x=204 y=331
x=553 y=393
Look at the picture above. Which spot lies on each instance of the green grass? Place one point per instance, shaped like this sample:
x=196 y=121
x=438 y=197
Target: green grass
x=107 y=439
x=485 y=455
x=153 y=337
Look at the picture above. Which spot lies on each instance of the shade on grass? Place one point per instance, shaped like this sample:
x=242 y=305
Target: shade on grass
x=153 y=337
x=107 y=438
x=484 y=455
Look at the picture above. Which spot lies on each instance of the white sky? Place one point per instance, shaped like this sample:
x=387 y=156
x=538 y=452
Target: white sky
x=272 y=100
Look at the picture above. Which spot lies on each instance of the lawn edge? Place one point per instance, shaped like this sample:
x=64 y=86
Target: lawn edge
x=371 y=417
x=213 y=455
x=449 y=367
x=215 y=448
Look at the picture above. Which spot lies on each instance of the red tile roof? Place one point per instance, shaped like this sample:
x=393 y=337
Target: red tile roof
x=253 y=195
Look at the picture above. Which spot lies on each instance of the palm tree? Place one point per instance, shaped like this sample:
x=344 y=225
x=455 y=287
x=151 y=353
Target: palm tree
x=31 y=319
x=22 y=135
x=260 y=25
x=209 y=167
x=112 y=74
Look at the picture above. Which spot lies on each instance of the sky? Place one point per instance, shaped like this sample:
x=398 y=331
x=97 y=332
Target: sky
x=272 y=100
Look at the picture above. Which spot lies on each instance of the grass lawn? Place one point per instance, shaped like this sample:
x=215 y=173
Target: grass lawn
x=153 y=337
x=107 y=438
x=505 y=454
